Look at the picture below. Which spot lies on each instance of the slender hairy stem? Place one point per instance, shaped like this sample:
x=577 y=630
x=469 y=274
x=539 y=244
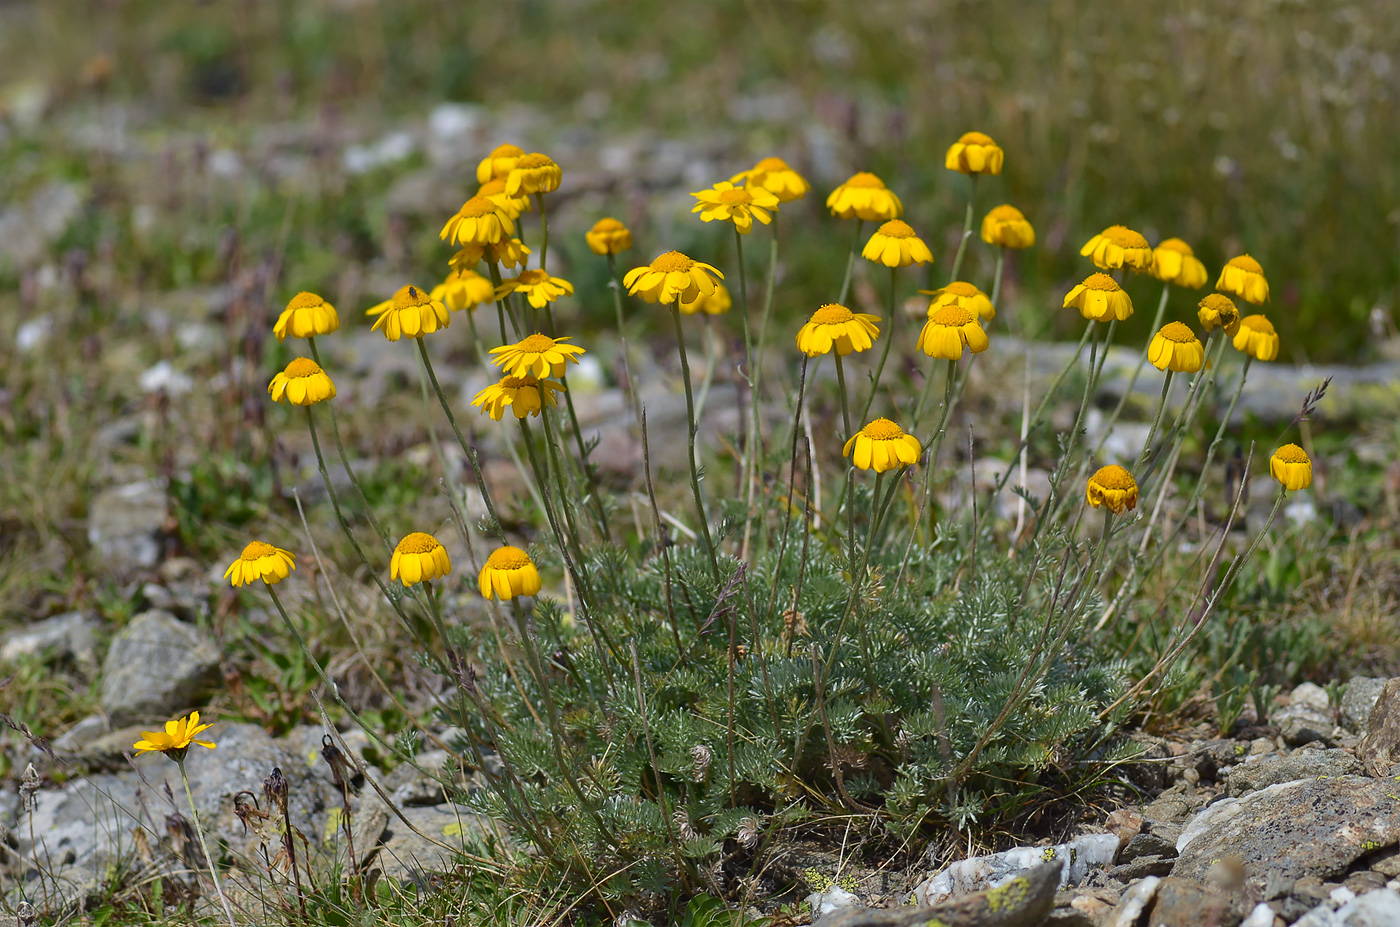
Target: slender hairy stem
x=967 y=229
x=544 y=230
x=996 y=277
x=1137 y=372
x=588 y=475
x=1156 y=420
x=885 y=352
x=851 y=263
x=691 y=429
x=204 y=847
x=345 y=460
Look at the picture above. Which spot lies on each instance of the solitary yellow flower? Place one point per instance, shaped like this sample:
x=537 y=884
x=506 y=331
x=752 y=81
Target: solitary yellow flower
x=1176 y=348
x=412 y=312
x=974 y=153
x=508 y=572
x=882 y=445
x=533 y=173
x=1100 y=298
x=302 y=383
x=306 y=315
x=1257 y=338
x=495 y=191
x=480 y=221
x=894 y=244
x=963 y=295
x=608 y=236
x=1114 y=487
x=717 y=303
x=774 y=175
x=949 y=330
x=498 y=163
x=262 y=561
x=537 y=286
x=1006 y=227
x=522 y=395
x=1219 y=311
x=864 y=196
x=175 y=739
x=835 y=326
x=536 y=356
x=740 y=205
x=672 y=277
x=1245 y=278
x=419 y=558
x=463 y=289
x=1291 y=467
x=1173 y=261
x=1119 y=246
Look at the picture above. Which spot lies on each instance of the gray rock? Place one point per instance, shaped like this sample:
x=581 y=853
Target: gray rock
x=1290 y=831
x=126 y=524
x=1076 y=858
x=1183 y=903
x=1261 y=916
x=407 y=856
x=1387 y=863
x=62 y=637
x=1310 y=694
x=1133 y=903
x=1304 y=723
x=157 y=666
x=1144 y=866
x=1358 y=700
x=1025 y=900
x=1148 y=844
x=1374 y=909
x=1300 y=764
x=1380 y=748
x=77 y=737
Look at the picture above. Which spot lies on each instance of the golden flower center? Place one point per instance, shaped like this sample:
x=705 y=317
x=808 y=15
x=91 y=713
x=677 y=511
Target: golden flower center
x=302 y=367
x=417 y=543
x=1005 y=214
x=1258 y=323
x=952 y=316
x=256 y=550
x=1177 y=245
x=866 y=179
x=1291 y=454
x=305 y=300
x=536 y=344
x=771 y=164
x=1125 y=237
x=882 y=429
x=492 y=187
x=672 y=262
x=507 y=151
x=961 y=288
x=410 y=297
x=607 y=225
x=534 y=160
x=515 y=382
x=476 y=207
x=832 y=314
x=1246 y=263
x=1215 y=302
x=976 y=138
x=897 y=228
x=738 y=196
x=1100 y=282
x=532 y=277
x=1177 y=332
x=508 y=558
x=1115 y=477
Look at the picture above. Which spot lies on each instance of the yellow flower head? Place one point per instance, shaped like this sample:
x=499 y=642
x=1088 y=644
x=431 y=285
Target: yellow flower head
x=537 y=286
x=536 y=356
x=495 y=191
x=949 y=330
x=175 y=739
x=1219 y=311
x=864 y=196
x=1257 y=338
x=1173 y=261
x=1245 y=278
x=894 y=244
x=306 y=315
x=774 y=175
x=1114 y=487
x=508 y=252
x=608 y=236
x=1006 y=227
x=498 y=163
x=419 y=558
x=1291 y=467
x=963 y=295
x=835 y=326
x=412 y=312
x=740 y=205
x=508 y=572
x=533 y=173
x=974 y=153
x=1119 y=246
x=672 y=277
x=1100 y=298
x=302 y=383
x=463 y=289
x=1176 y=348
x=523 y=395
x=260 y=561
x=717 y=303
x=480 y=221
x=882 y=445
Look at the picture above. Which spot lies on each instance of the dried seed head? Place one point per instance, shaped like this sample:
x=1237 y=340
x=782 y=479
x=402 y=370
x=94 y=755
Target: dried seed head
x=682 y=821
x=275 y=788
x=701 y=755
x=748 y=831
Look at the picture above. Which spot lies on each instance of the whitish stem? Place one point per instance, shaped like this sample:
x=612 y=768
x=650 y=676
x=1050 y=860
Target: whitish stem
x=203 y=846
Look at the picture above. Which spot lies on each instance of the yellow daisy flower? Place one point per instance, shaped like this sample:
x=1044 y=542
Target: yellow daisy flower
x=508 y=572
x=1245 y=278
x=1119 y=246
x=175 y=739
x=412 y=312
x=523 y=395
x=963 y=295
x=717 y=303
x=508 y=252
x=949 y=330
x=894 y=244
x=864 y=196
x=1219 y=311
x=974 y=153
x=537 y=286
x=536 y=356
x=463 y=289
x=740 y=205
x=1173 y=261
x=1100 y=298
x=260 y=561
x=534 y=173
x=608 y=236
x=306 y=315
x=1175 y=347
x=1006 y=227
x=480 y=221
x=1114 y=487
x=835 y=326
x=882 y=445
x=774 y=175
x=498 y=163
x=672 y=277
x=1291 y=466
x=495 y=191
x=302 y=383
x=419 y=558
x=1257 y=338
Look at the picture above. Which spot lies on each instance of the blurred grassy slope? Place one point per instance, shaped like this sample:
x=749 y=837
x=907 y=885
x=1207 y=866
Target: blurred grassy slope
x=1259 y=125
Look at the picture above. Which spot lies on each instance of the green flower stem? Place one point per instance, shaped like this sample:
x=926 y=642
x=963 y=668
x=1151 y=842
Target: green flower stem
x=847 y=496
x=996 y=276
x=520 y=468
x=711 y=361
x=554 y=457
x=616 y=285
x=851 y=263
x=931 y=446
x=345 y=460
x=495 y=270
x=1219 y=435
x=967 y=229
x=544 y=229
x=588 y=474
x=1137 y=372
x=334 y=496
x=753 y=446
x=767 y=303
x=1156 y=420
x=885 y=353
x=1187 y=413
x=692 y=426
x=1062 y=467
x=203 y=846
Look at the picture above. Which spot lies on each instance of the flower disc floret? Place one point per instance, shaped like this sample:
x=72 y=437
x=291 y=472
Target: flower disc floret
x=740 y=205
x=480 y=221
x=260 y=560
x=951 y=329
x=302 y=383
x=463 y=289
x=1292 y=467
x=522 y=395
x=1245 y=278
x=608 y=236
x=411 y=313
x=866 y=197
x=1100 y=298
x=306 y=315
x=894 y=244
x=882 y=445
x=1219 y=311
x=179 y=735
x=672 y=277
x=775 y=176
x=835 y=326
x=1006 y=227
x=537 y=355
x=717 y=303
x=534 y=173
x=1112 y=487
x=963 y=295
x=537 y=286
x=508 y=573
x=498 y=163
x=974 y=153
x=1257 y=338
x=419 y=558
x=1173 y=261
x=1119 y=246
x=1176 y=348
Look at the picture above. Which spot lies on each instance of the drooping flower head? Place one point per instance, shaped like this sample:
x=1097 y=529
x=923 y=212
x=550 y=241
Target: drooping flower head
x=533 y=173
x=717 y=303
x=835 y=326
x=864 y=196
x=1006 y=227
x=306 y=315
x=536 y=356
x=963 y=295
x=498 y=163
x=480 y=221
x=412 y=313
x=1100 y=298
x=951 y=329
x=894 y=244
x=1291 y=466
x=508 y=572
x=1176 y=348
x=882 y=445
x=608 y=236
x=302 y=383
x=537 y=286
x=463 y=289
x=495 y=191
x=1245 y=278
x=260 y=560
x=974 y=153
x=419 y=558
x=1173 y=261
x=672 y=276
x=522 y=395
x=740 y=205
x=1257 y=338
x=177 y=737
x=1119 y=246
x=1219 y=311
x=1112 y=487
x=508 y=252
x=774 y=175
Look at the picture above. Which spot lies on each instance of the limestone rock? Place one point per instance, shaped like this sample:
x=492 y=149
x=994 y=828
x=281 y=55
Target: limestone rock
x=1075 y=859
x=1300 y=764
x=62 y=637
x=1024 y=900
x=406 y=855
x=1358 y=700
x=1380 y=748
x=126 y=525
x=156 y=666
